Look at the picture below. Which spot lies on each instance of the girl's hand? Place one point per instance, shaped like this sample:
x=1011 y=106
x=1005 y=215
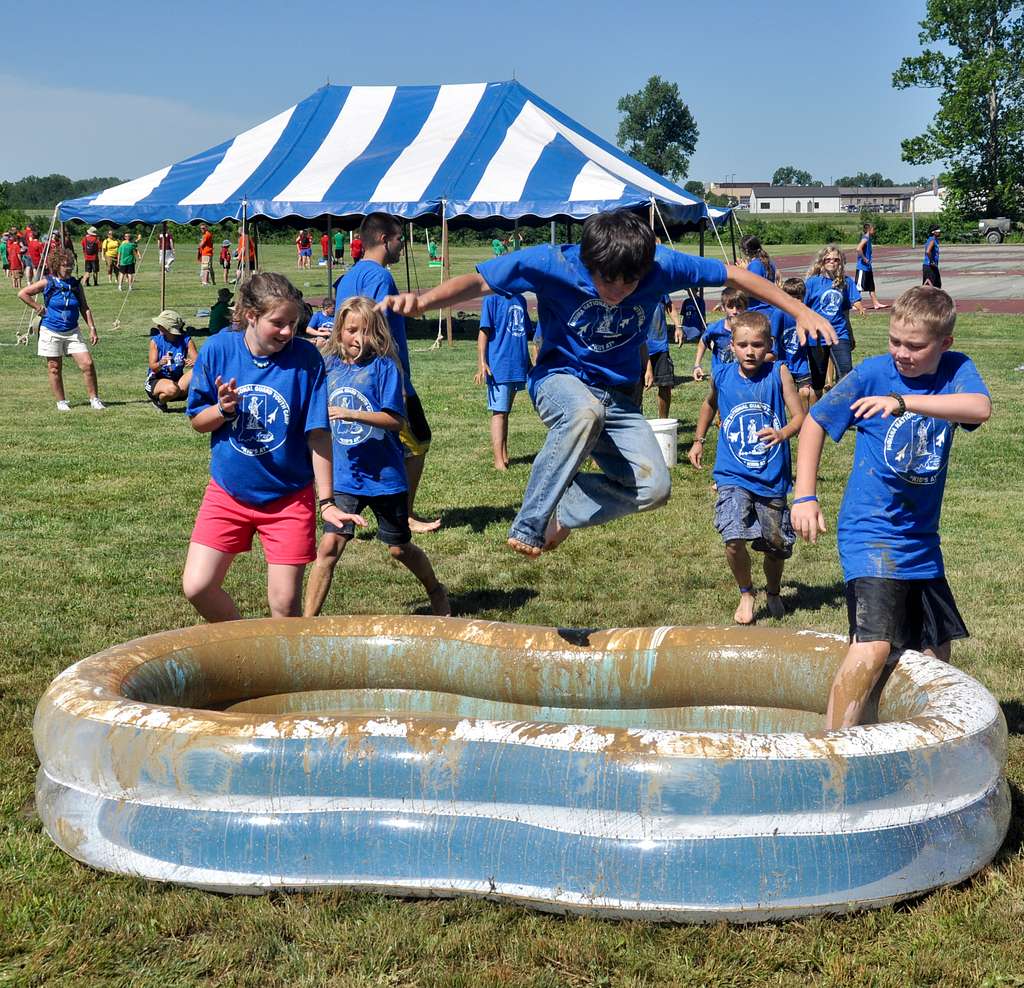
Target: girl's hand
x=871 y=405
x=338 y=414
x=696 y=456
x=770 y=437
x=227 y=395
x=698 y=373
x=337 y=517
x=808 y=521
x=93 y=336
x=189 y=362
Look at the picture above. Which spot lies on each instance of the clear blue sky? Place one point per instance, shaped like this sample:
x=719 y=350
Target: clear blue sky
x=122 y=89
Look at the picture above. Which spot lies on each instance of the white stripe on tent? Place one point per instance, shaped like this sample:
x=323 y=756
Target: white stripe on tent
x=358 y=121
x=129 y=193
x=247 y=152
x=505 y=176
x=615 y=165
x=593 y=182
x=407 y=179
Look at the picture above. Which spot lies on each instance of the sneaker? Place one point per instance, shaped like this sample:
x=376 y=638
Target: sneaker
x=63 y=406
x=97 y=404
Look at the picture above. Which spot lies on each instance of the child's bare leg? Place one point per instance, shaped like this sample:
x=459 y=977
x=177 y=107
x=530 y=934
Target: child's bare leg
x=664 y=401
x=499 y=439
x=56 y=377
x=413 y=474
x=854 y=681
x=284 y=589
x=739 y=562
x=773 y=586
x=205 y=570
x=415 y=560
x=328 y=552
x=806 y=398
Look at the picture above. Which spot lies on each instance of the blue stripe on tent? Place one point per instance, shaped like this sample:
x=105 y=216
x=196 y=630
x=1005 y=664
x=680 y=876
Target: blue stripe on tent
x=403 y=121
x=554 y=172
x=183 y=178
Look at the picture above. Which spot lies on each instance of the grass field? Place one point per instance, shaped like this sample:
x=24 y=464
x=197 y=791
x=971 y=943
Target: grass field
x=97 y=509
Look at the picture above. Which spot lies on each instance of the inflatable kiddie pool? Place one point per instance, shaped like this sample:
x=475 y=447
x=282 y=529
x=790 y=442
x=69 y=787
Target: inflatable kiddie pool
x=669 y=773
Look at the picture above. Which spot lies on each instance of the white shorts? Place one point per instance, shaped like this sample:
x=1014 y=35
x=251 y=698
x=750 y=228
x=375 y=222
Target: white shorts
x=53 y=344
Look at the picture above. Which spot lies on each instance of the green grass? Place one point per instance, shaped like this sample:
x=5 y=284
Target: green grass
x=97 y=510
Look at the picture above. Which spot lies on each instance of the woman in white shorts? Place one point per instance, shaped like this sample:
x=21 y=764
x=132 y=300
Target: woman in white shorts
x=63 y=305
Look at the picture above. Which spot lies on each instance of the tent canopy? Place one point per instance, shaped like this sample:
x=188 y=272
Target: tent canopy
x=477 y=154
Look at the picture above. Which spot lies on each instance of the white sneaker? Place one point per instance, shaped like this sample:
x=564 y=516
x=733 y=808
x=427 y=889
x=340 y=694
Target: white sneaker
x=63 y=406
x=97 y=404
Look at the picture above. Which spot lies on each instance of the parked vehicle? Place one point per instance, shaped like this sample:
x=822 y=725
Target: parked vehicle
x=994 y=230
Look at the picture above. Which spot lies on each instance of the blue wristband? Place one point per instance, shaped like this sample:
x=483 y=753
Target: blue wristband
x=805 y=499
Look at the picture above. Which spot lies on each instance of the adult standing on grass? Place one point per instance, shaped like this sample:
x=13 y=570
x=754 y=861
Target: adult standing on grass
x=127 y=257
x=339 y=248
x=381 y=243
x=165 y=244
x=205 y=255
x=63 y=305
x=595 y=301
x=865 y=269
x=110 y=245
x=303 y=250
x=930 y=268
x=91 y=255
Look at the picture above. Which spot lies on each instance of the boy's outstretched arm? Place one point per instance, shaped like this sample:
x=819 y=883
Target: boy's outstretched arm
x=460 y=289
x=807 y=519
x=704 y=419
x=808 y=323
x=964 y=409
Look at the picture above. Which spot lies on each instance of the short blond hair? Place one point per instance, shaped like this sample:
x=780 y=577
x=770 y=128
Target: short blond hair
x=756 y=321
x=930 y=308
x=377 y=337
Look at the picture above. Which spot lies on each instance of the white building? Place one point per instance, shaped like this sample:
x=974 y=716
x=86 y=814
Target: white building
x=770 y=200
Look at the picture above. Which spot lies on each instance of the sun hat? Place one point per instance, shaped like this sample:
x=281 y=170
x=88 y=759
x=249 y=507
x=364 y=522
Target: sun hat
x=935 y=228
x=224 y=293
x=226 y=243
x=171 y=322
x=91 y=229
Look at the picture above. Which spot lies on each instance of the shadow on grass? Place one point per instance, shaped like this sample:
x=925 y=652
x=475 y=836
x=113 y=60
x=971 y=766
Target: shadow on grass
x=814 y=598
x=519 y=460
x=487 y=603
x=478 y=517
x=1015 y=835
x=1013 y=711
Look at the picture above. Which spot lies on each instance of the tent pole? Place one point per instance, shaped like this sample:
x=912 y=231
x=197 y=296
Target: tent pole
x=162 y=255
x=446 y=268
x=254 y=232
x=651 y=211
x=732 y=235
x=552 y=233
x=701 y=235
x=243 y=263
x=330 y=259
x=408 y=247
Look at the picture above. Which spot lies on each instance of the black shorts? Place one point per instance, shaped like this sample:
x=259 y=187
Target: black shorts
x=817 y=357
x=92 y=265
x=930 y=275
x=339 y=255
x=915 y=614
x=865 y=281
x=126 y=268
x=417 y=425
x=391 y=511
x=664 y=371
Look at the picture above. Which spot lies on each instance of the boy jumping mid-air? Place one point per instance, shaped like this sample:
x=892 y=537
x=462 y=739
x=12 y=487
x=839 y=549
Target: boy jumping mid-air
x=905 y=406
x=595 y=301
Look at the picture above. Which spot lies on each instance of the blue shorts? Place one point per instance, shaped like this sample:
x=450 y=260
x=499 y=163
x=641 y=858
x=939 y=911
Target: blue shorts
x=761 y=521
x=499 y=396
x=306 y=252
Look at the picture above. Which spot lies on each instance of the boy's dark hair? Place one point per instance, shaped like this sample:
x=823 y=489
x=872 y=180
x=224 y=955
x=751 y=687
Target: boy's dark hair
x=795 y=287
x=868 y=226
x=735 y=296
x=756 y=321
x=376 y=226
x=617 y=245
x=930 y=308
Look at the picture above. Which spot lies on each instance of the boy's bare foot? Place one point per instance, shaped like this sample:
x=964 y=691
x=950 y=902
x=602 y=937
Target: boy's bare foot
x=420 y=526
x=556 y=533
x=745 y=612
x=439 y=603
x=524 y=548
x=775 y=606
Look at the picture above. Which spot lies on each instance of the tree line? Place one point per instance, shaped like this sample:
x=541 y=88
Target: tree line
x=45 y=191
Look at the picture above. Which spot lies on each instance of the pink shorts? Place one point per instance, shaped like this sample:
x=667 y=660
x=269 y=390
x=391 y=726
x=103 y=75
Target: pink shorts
x=286 y=526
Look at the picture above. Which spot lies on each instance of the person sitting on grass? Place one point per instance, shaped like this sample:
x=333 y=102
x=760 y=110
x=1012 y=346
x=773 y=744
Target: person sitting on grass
x=321 y=324
x=595 y=301
x=718 y=336
x=752 y=462
x=905 y=406
x=367 y=409
x=220 y=311
x=503 y=360
x=172 y=355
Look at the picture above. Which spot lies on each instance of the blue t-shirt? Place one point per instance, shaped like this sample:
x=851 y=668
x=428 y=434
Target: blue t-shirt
x=745 y=406
x=320 y=320
x=889 y=518
x=177 y=350
x=757 y=266
x=368 y=460
x=62 y=304
x=934 y=259
x=824 y=298
x=864 y=262
x=657 y=331
x=373 y=280
x=718 y=339
x=509 y=328
x=261 y=454
x=786 y=344
x=582 y=335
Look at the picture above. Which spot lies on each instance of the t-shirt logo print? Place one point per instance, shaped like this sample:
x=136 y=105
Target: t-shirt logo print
x=602 y=327
x=262 y=422
x=917 y=448
x=740 y=429
x=516 y=325
x=831 y=301
x=350 y=433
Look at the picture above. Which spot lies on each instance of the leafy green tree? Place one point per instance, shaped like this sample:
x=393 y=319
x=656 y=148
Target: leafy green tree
x=973 y=52
x=657 y=128
x=695 y=188
x=791 y=175
x=871 y=180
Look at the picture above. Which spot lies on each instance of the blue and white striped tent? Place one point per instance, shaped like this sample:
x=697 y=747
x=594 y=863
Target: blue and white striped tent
x=477 y=153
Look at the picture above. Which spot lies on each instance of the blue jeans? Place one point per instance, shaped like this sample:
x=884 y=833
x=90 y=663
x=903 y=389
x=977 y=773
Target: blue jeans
x=583 y=421
x=842 y=358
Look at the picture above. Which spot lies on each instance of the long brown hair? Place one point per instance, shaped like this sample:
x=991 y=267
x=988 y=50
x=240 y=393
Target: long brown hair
x=377 y=339
x=753 y=249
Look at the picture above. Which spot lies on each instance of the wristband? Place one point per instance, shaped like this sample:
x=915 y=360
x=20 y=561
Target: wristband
x=805 y=499
x=900 y=403
x=699 y=440
x=228 y=416
x=325 y=502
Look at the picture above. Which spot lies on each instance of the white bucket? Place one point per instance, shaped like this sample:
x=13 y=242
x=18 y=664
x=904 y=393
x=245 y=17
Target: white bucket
x=666 y=431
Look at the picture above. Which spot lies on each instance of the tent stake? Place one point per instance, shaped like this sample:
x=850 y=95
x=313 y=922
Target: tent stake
x=162 y=255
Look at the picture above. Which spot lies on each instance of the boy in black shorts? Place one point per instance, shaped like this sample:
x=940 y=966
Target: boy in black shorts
x=905 y=406
x=660 y=371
